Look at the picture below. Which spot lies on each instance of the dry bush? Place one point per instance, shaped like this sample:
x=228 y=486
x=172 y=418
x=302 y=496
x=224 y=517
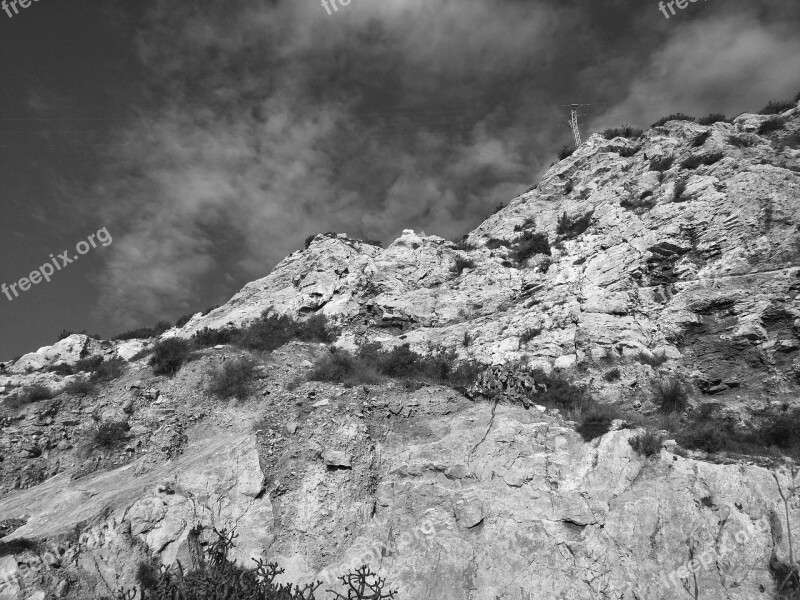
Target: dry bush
x=670 y=394
x=647 y=443
x=233 y=379
x=596 y=421
x=169 y=356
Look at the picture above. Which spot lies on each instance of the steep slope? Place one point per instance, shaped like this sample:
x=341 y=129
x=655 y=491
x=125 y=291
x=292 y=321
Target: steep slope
x=447 y=497
x=709 y=275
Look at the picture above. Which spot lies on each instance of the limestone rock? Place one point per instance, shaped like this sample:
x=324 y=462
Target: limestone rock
x=336 y=458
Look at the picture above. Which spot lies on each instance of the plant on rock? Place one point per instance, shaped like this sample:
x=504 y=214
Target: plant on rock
x=597 y=421
x=647 y=443
x=169 y=356
x=213 y=576
x=670 y=395
x=233 y=379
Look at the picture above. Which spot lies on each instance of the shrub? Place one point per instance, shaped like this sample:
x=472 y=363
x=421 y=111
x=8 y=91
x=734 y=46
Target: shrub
x=309 y=239
x=770 y=125
x=644 y=203
x=18 y=546
x=169 y=355
x=674 y=117
x=66 y=333
x=88 y=365
x=560 y=392
x=625 y=131
x=612 y=374
x=144 y=333
x=597 y=421
x=134 y=334
x=206 y=337
x=500 y=206
x=111 y=434
x=670 y=395
x=371 y=364
x=700 y=139
x=713 y=118
x=343 y=367
x=273 y=331
x=782 y=431
x=398 y=362
x=464 y=245
x=495 y=243
x=268 y=332
x=108 y=370
x=183 y=320
x=79 y=387
x=647 y=443
x=778 y=433
x=742 y=141
x=696 y=160
x=370 y=242
x=528 y=223
x=147 y=575
x=315 y=329
x=28 y=395
x=461 y=264
x=776 y=107
x=661 y=163
x=62 y=369
x=629 y=151
x=571 y=228
x=565 y=152
x=209 y=309
x=234 y=379
x=218 y=578
x=161 y=327
x=654 y=359
x=530 y=243
x=36 y=393
x=529 y=334
x=709 y=437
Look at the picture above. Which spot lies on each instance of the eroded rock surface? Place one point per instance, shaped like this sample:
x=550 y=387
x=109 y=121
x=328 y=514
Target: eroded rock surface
x=449 y=497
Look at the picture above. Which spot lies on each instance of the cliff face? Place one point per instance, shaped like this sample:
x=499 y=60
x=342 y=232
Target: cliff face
x=709 y=275
x=683 y=242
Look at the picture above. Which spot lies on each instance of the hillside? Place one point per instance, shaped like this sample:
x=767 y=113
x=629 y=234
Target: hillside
x=673 y=255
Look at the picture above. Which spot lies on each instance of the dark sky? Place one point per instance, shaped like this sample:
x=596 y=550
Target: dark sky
x=211 y=137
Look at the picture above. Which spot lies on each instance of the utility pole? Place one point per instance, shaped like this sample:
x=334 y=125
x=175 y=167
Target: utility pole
x=573 y=121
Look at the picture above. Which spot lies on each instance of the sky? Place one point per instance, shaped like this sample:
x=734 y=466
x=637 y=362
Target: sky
x=210 y=138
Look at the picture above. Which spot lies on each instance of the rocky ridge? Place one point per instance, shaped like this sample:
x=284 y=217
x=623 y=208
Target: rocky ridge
x=450 y=498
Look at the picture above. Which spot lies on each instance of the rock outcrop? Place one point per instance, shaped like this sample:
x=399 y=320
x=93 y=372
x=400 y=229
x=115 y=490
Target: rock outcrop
x=681 y=246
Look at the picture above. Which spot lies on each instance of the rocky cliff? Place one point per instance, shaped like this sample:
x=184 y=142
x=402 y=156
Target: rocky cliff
x=681 y=244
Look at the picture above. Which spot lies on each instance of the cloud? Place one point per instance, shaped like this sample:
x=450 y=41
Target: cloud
x=728 y=62
x=271 y=120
